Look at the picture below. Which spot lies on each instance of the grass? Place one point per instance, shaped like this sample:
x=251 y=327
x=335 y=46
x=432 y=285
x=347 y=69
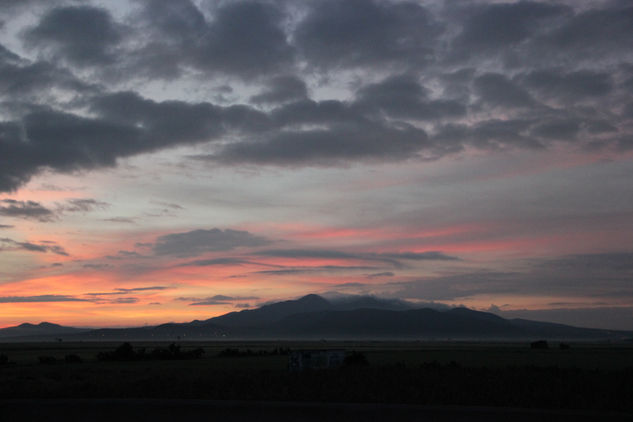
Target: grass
x=591 y=376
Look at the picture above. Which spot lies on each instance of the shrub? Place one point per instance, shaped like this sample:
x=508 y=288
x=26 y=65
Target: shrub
x=540 y=344
x=73 y=359
x=47 y=360
x=355 y=359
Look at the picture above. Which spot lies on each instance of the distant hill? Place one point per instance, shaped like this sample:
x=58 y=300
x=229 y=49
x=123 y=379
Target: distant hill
x=271 y=313
x=43 y=329
x=313 y=317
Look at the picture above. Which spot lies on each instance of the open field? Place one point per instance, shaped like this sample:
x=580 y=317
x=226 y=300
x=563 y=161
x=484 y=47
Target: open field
x=596 y=377
x=469 y=354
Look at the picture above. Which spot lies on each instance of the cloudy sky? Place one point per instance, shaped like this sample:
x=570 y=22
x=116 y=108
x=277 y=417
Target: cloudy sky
x=171 y=160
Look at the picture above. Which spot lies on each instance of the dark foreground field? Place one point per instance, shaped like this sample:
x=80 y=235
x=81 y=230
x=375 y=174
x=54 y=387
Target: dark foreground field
x=439 y=380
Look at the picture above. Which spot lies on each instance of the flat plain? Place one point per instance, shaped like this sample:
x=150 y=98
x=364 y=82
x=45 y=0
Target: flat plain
x=588 y=377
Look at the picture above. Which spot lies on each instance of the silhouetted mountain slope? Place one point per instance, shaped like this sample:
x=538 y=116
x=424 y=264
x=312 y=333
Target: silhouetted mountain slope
x=379 y=323
x=41 y=329
x=312 y=317
x=270 y=313
x=550 y=329
x=188 y=330
x=371 y=302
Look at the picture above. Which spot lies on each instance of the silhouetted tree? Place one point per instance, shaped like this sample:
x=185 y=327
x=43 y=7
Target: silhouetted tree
x=73 y=359
x=47 y=360
x=540 y=344
x=355 y=359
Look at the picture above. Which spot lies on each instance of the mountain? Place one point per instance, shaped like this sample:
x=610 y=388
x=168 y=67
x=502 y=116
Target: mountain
x=357 y=302
x=389 y=324
x=273 y=312
x=313 y=317
x=43 y=329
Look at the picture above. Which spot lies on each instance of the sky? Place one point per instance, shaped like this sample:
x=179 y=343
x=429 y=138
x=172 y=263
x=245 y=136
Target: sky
x=169 y=161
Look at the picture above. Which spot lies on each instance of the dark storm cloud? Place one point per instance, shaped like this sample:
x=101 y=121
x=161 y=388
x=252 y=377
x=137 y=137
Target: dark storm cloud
x=589 y=35
x=197 y=242
x=40 y=298
x=572 y=86
x=282 y=89
x=402 y=96
x=83 y=35
x=9 y=6
x=357 y=33
x=489 y=134
x=25 y=209
x=64 y=142
x=495 y=27
x=562 y=129
x=316 y=112
x=5 y=226
x=446 y=73
x=242 y=39
x=165 y=122
x=497 y=90
x=331 y=146
x=128 y=125
x=20 y=78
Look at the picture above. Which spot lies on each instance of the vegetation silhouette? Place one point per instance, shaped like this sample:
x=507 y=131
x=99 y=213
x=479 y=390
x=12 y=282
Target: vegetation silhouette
x=125 y=352
x=355 y=359
x=232 y=353
x=72 y=358
x=47 y=360
x=127 y=371
x=540 y=344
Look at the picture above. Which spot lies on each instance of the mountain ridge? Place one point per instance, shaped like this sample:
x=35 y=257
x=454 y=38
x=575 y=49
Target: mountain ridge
x=314 y=317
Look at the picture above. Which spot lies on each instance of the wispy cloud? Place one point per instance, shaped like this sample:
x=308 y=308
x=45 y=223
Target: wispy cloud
x=200 y=241
x=26 y=209
x=40 y=298
x=7 y=244
x=215 y=300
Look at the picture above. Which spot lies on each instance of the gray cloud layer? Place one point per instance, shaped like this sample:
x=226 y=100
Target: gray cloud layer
x=7 y=244
x=607 y=275
x=197 y=242
x=25 y=209
x=40 y=298
x=559 y=74
x=215 y=300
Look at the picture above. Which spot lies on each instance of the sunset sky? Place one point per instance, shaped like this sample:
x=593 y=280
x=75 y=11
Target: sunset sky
x=176 y=160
